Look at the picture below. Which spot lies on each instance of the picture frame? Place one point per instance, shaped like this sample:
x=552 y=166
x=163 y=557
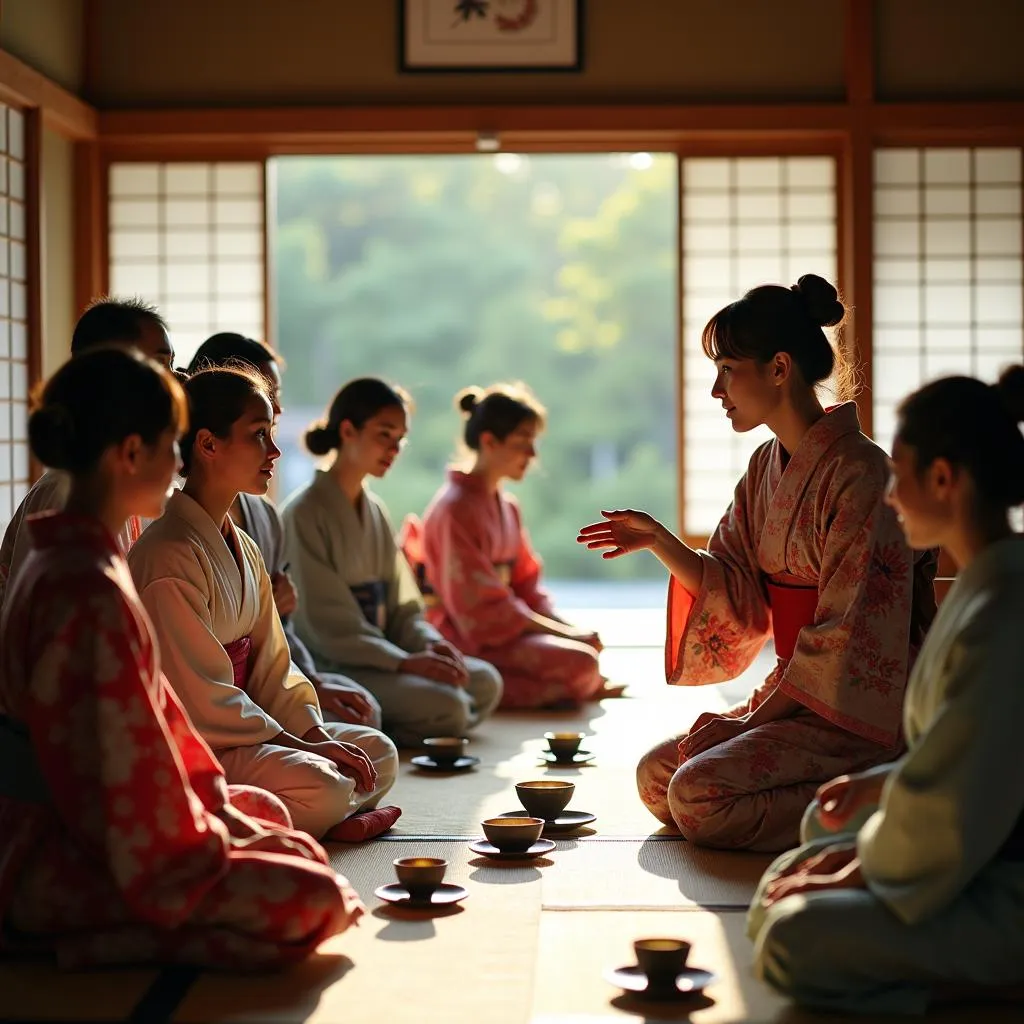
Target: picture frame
x=445 y=36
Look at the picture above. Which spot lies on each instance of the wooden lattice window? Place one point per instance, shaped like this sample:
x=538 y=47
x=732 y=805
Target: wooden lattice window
x=948 y=282
x=14 y=332
x=190 y=237
x=746 y=221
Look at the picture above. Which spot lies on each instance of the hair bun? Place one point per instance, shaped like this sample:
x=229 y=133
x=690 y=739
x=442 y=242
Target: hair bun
x=1010 y=389
x=320 y=440
x=51 y=431
x=468 y=399
x=821 y=300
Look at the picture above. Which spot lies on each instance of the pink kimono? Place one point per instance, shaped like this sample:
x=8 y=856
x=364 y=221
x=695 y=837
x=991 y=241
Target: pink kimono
x=809 y=552
x=482 y=580
x=139 y=852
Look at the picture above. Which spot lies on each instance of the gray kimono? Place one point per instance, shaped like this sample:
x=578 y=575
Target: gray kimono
x=262 y=522
x=361 y=613
x=943 y=855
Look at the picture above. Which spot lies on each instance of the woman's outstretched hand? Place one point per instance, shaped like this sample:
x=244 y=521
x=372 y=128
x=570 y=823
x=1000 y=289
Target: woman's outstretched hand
x=620 y=533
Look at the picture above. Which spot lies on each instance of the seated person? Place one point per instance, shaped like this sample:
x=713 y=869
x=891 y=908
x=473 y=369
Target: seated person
x=360 y=610
x=808 y=552
x=341 y=699
x=207 y=591
x=481 y=567
x=128 y=322
x=137 y=852
x=924 y=901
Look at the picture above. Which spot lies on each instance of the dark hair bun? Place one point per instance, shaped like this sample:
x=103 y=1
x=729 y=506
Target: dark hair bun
x=1010 y=389
x=821 y=300
x=51 y=433
x=320 y=440
x=468 y=399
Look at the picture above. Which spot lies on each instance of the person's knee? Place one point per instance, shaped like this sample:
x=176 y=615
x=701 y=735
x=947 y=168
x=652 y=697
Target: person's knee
x=788 y=945
x=485 y=686
x=583 y=672
x=442 y=711
x=701 y=812
x=321 y=796
x=653 y=773
x=260 y=803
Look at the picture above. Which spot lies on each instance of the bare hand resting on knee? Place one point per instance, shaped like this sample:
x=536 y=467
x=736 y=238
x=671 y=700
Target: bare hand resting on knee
x=348 y=704
x=434 y=665
x=840 y=799
x=346 y=757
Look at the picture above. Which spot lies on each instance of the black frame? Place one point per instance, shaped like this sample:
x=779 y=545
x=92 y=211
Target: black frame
x=477 y=69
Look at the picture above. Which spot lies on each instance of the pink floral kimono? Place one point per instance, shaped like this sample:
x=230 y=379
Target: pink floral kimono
x=482 y=578
x=809 y=553
x=138 y=852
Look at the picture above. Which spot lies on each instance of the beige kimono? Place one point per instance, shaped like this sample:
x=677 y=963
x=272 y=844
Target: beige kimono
x=200 y=601
x=361 y=613
x=943 y=855
x=261 y=520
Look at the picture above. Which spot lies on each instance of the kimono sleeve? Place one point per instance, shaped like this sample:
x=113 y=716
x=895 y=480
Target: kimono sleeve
x=198 y=667
x=275 y=684
x=116 y=776
x=407 y=627
x=851 y=665
x=954 y=799
x=475 y=599
x=526 y=575
x=716 y=634
x=329 y=617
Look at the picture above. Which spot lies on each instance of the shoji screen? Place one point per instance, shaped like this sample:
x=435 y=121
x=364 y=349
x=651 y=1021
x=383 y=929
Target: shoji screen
x=189 y=237
x=14 y=342
x=746 y=221
x=947 y=269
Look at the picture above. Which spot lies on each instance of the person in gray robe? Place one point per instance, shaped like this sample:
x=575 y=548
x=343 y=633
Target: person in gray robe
x=360 y=610
x=924 y=900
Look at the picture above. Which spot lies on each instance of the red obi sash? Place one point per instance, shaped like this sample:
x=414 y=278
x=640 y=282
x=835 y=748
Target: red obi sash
x=793 y=607
x=238 y=651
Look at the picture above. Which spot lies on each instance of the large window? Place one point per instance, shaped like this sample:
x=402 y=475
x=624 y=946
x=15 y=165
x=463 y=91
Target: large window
x=947 y=269
x=746 y=221
x=14 y=340
x=189 y=237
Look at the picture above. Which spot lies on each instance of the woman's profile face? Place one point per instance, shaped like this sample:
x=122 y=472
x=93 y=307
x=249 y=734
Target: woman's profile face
x=923 y=515
x=747 y=391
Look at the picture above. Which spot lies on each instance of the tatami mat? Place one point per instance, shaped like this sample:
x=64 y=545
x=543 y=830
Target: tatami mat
x=36 y=990
x=646 y=875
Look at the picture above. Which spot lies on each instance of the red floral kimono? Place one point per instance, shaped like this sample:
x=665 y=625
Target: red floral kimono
x=483 y=581
x=809 y=552
x=139 y=854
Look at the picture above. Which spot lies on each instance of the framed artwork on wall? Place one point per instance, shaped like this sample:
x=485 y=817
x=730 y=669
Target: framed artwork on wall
x=490 y=35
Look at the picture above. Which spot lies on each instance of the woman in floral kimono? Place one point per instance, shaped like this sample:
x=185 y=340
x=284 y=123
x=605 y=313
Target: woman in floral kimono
x=341 y=699
x=924 y=901
x=207 y=590
x=360 y=610
x=481 y=568
x=809 y=553
x=136 y=851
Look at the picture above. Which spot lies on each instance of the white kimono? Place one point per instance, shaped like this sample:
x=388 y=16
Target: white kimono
x=262 y=522
x=201 y=600
x=361 y=613
x=943 y=855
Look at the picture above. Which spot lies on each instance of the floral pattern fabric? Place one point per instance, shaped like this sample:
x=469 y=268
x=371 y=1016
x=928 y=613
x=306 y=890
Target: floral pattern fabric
x=486 y=578
x=142 y=853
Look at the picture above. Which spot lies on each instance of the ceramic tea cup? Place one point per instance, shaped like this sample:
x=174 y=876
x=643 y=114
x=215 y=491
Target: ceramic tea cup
x=513 y=835
x=445 y=749
x=420 y=875
x=661 y=959
x=564 y=745
x=545 y=798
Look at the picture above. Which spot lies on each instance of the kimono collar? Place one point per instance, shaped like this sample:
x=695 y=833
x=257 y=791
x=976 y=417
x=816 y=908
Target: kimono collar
x=468 y=481
x=336 y=498
x=188 y=509
x=56 y=529
x=1005 y=555
x=838 y=421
